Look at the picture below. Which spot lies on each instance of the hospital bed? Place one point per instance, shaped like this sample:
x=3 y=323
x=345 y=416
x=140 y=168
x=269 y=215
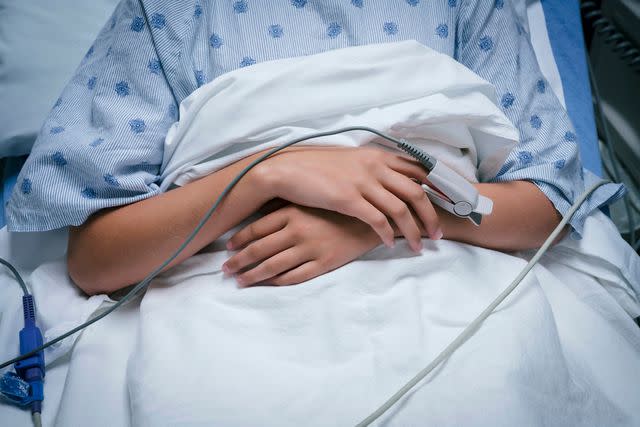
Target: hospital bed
x=87 y=385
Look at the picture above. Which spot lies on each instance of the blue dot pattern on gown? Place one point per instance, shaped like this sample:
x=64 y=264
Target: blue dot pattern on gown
x=507 y=100
x=442 y=31
x=299 y=4
x=122 y=88
x=215 y=41
x=201 y=79
x=148 y=61
x=247 y=61
x=137 y=125
x=535 y=121
x=486 y=43
x=96 y=142
x=391 y=28
x=240 y=6
x=58 y=158
x=154 y=66
x=56 y=130
x=570 y=136
x=158 y=21
x=525 y=157
x=26 y=186
x=89 y=193
x=111 y=180
x=137 y=24
x=276 y=31
x=333 y=30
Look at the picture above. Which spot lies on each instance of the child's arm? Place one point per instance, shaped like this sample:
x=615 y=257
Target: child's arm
x=295 y=244
x=135 y=239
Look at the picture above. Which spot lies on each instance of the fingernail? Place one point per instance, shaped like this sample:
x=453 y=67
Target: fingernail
x=225 y=268
x=418 y=247
x=391 y=243
x=241 y=281
x=229 y=245
x=438 y=234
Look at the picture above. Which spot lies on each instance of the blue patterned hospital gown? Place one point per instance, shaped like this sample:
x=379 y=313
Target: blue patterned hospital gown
x=102 y=143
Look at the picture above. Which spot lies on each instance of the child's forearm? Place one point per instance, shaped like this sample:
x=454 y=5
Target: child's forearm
x=120 y=246
x=522 y=218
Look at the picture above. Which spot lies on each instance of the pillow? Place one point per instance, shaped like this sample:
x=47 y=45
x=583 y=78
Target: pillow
x=41 y=44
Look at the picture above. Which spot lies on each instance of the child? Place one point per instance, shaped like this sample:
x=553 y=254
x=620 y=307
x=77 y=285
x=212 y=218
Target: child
x=95 y=165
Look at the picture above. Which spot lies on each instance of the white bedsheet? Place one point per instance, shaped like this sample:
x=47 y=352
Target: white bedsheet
x=561 y=351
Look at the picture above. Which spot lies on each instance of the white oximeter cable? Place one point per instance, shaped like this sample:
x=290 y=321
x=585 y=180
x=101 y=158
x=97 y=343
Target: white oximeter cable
x=473 y=326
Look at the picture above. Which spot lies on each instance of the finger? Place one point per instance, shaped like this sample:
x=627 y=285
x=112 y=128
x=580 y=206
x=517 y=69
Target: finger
x=258 y=250
x=273 y=266
x=413 y=194
x=408 y=167
x=398 y=210
x=302 y=273
x=366 y=212
x=258 y=229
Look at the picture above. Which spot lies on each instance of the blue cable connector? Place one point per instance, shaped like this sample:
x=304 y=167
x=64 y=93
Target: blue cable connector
x=26 y=385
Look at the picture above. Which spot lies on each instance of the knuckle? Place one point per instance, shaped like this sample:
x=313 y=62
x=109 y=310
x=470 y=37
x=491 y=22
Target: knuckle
x=399 y=210
x=417 y=195
x=268 y=269
x=379 y=220
x=252 y=229
x=252 y=251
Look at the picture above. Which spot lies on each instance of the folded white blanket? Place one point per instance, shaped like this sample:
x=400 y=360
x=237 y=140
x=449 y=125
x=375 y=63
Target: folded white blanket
x=405 y=89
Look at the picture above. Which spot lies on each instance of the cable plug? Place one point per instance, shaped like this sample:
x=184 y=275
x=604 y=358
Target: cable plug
x=31 y=369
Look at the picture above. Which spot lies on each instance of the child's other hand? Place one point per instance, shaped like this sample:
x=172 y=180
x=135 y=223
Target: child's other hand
x=297 y=243
x=372 y=185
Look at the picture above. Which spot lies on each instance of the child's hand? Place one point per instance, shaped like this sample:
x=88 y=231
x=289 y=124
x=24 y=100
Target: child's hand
x=372 y=185
x=296 y=243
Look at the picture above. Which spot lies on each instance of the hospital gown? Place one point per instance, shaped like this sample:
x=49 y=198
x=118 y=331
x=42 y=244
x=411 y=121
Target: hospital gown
x=102 y=144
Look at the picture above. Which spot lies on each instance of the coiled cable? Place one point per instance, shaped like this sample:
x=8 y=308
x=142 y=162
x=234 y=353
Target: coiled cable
x=610 y=34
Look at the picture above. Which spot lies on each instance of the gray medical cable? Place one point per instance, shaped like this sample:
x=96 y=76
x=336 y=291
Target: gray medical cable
x=470 y=330
x=413 y=151
x=16 y=275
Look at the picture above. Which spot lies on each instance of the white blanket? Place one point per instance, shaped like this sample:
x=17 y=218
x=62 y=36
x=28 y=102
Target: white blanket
x=405 y=89
x=329 y=351
x=562 y=350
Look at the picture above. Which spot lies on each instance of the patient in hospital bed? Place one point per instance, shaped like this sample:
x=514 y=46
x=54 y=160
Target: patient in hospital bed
x=96 y=163
x=305 y=212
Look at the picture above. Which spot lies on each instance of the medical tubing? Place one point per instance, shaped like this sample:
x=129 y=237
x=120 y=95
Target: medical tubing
x=145 y=282
x=612 y=156
x=16 y=274
x=470 y=330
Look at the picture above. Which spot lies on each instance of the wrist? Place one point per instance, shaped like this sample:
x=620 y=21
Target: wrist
x=264 y=177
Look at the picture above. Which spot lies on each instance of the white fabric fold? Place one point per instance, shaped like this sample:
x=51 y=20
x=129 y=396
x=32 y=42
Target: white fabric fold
x=405 y=89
